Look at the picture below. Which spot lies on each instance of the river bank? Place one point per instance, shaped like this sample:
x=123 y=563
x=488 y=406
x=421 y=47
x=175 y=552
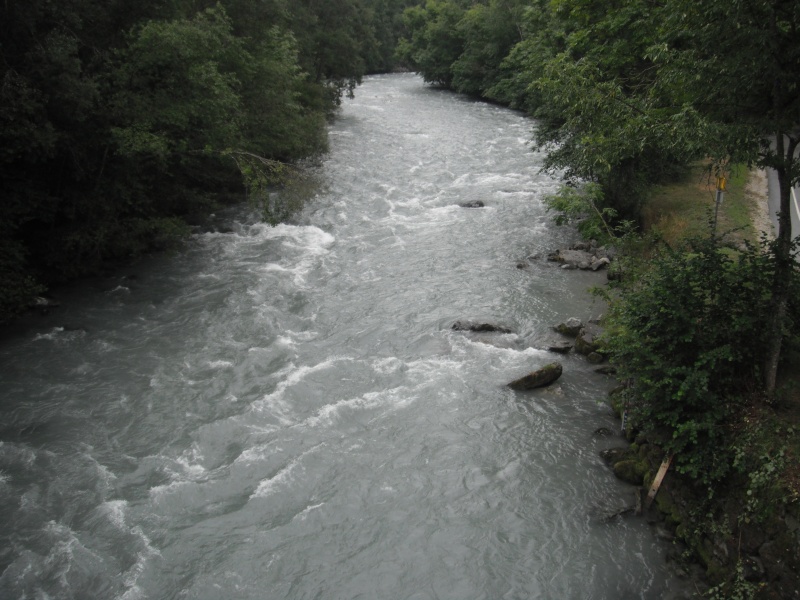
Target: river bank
x=738 y=538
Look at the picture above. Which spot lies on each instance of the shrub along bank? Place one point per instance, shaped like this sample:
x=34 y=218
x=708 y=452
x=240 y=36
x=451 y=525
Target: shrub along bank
x=686 y=330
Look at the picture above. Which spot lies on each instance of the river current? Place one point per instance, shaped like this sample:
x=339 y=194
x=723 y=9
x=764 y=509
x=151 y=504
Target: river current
x=285 y=412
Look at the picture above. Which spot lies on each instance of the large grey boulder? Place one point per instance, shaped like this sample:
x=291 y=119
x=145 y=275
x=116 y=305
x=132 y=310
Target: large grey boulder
x=539 y=378
x=575 y=258
x=571 y=327
x=586 y=342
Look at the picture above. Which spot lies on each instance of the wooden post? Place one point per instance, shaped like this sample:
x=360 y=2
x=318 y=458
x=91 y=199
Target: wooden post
x=662 y=471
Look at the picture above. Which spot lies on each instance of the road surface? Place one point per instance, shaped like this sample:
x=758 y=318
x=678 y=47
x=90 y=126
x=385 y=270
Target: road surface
x=774 y=204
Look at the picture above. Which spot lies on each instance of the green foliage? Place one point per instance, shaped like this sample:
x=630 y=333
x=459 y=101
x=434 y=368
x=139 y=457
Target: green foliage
x=583 y=207
x=490 y=31
x=178 y=89
x=687 y=337
x=436 y=41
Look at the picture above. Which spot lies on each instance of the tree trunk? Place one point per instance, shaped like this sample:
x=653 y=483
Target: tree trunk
x=784 y=265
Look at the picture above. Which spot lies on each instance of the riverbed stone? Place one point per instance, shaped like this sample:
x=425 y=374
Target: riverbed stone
x=586 y=342
x=479 y=327
x=539 y=378
x=595 y=358
x=606 y=370
x=571 y=327
x=472 y=204
x=559 y=346
x=631 y=471
x=613 y=455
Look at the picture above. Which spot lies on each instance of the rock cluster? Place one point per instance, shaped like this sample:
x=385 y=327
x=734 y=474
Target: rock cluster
x=583 y=255
x=586 y=339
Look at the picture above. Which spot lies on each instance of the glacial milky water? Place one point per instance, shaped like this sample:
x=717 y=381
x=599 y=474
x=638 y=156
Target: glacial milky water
x=285 y=412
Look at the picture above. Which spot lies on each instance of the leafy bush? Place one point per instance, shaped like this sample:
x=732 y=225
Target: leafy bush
x=584 y=207
x=688 y=334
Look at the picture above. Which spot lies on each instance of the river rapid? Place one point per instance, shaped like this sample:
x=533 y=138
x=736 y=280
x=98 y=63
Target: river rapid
x=285 y=412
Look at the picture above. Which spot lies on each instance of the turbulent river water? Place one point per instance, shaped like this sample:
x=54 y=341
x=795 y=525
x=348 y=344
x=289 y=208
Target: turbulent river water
x=285 y=412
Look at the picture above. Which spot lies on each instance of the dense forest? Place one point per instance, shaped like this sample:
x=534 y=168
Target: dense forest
x=119 y=122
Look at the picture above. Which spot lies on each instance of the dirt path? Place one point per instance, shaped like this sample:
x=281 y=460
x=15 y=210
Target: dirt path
x=757 y=191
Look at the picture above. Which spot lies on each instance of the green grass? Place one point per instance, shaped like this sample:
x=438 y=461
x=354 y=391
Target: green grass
x=686 y=208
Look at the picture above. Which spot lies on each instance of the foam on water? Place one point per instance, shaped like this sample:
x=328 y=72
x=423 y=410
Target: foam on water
x=284 y=476
x=286 y=411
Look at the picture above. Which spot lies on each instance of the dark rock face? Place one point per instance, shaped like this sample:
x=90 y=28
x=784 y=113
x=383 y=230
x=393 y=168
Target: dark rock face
x=631 y=471
x=602 y=432
x=613 y=455
x=586 y=342
x=559 y=346
x=595 y=358
x=571 y=327
x=536 y=379
x=472 y=204
x=479 y=327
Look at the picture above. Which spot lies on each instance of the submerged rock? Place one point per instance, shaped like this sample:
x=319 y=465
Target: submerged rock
x=472 y=204
x=479 y=327
x=606 y=370
x=602 y=432
x=539 y=378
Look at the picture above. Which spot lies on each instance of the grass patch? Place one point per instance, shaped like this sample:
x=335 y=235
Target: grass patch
x=686 y=208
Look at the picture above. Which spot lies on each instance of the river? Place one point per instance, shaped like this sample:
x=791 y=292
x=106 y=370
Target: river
x=285 y=412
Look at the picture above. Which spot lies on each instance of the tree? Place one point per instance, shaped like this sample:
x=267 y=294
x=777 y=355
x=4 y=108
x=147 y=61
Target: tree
x=489 y=32
x=685 y=336
x=602 y=117
x=738 y=66
x=436 y=41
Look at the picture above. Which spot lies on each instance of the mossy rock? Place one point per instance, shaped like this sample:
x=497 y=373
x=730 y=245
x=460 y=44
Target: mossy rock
x=616 y=400
x=673 y=517
x=632 y=471
x=541 y=378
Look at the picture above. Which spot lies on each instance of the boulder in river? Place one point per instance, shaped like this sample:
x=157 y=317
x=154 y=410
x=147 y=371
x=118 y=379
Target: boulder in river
x=479 y=327
x=586 y=343
x=606 y=370
x=472 y=204
x=559 y=346
x=579 y=259
x=571 y=327
x=539 y=378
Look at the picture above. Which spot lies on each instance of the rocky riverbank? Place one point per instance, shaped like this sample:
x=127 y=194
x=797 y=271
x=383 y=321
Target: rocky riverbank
x=727 y=543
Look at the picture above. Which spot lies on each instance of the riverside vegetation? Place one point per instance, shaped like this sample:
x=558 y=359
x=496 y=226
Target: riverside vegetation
x=120 y=123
